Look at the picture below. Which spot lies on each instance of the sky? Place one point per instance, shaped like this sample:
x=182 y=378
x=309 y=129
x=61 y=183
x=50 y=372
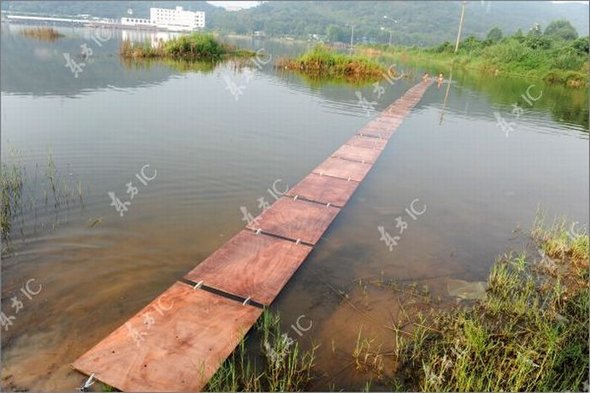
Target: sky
x=234 y=4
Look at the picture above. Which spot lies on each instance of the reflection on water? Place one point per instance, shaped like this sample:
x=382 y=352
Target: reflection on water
x=216 y=152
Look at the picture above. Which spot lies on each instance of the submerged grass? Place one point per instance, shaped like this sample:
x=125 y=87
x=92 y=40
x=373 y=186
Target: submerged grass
x=321 y=62
x=529 y=334
x=26 y=194
x=195 y=46
x=282 y=365
x=42 y=33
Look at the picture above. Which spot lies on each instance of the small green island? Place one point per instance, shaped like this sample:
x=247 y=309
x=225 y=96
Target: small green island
x=322 y=62
x=190 y=47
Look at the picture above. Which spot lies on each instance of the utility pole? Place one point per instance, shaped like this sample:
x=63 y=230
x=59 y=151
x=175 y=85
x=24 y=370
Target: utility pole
x=390 y=34
x=460 y=26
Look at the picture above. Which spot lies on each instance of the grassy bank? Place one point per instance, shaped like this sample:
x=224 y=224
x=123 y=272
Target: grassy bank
x=321 y=62
x=42 y=33
x=529 y=334
x=554 y=61
x=195 y=46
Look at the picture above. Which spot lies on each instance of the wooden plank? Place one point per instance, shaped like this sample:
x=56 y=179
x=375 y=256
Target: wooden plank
x=324 y=189
x=367 y=142
x=356 y=153
x=296 y=219
x=182 y=337
x=375 y=133
x=251 y=265
x=343 y=169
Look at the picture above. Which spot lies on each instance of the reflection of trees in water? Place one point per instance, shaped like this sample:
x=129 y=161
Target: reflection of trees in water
x=178 y=65
x=566 y=105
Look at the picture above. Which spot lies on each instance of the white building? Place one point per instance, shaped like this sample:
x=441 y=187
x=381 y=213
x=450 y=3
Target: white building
x=170 y=19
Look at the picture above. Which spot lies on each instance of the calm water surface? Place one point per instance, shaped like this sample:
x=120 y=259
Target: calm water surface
x=216 y=152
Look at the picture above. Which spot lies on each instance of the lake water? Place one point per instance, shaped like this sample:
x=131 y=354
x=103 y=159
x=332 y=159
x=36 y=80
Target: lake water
x=216 y=139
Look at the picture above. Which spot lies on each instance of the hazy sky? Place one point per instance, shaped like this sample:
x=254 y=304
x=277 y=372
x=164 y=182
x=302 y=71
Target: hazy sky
x=231 y=4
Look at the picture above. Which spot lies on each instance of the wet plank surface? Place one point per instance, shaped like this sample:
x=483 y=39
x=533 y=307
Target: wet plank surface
x=356 y=153
x=324 y=189
x=343 y=169
x=182 y=338
x=296 y=220
x=251 y=265
x=179 y=340
x=380 y=133
x=367 y=142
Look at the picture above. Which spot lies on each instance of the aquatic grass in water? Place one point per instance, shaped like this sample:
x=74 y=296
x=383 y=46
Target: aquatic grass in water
x=42 y=33
x=195 y=46
x=529 y=334
x=23 y=194
x=283 y=365
x=321 y=62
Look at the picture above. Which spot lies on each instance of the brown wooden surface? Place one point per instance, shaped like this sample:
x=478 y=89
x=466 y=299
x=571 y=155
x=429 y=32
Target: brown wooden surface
x=356 y=153
x=324 y=189
x=366 y=142
x=343 y=169
x=382 y=133
x=186 y=333
x=296 y=220
x=192 y=334
x=251 y=265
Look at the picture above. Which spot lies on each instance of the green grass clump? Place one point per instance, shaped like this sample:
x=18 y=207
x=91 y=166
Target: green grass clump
x=320 y=62
x=195 y=46
x=282 y=365
x=11 y=181
x=529 y=334
x=555 y=61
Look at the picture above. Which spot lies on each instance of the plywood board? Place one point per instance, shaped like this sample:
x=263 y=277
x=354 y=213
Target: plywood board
x=343 y=169
x=356 y=153
x=382 y=134
x=324 y=189
x=296 y=219
x=176 y=343
x=251 y=265
x=367 y=142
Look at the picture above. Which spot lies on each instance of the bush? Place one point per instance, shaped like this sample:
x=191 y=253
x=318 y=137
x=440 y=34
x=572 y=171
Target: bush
x=581 y=46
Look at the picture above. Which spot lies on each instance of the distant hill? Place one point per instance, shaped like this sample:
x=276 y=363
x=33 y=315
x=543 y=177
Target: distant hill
x=411 y=22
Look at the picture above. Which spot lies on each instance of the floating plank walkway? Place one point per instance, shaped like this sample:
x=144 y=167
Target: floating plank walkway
x=179 y=340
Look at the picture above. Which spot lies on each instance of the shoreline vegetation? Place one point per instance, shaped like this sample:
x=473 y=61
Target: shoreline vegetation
x=191 y=47
x=529 y=332
x=322 y=62
x=41 y=33
x=558 y=58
